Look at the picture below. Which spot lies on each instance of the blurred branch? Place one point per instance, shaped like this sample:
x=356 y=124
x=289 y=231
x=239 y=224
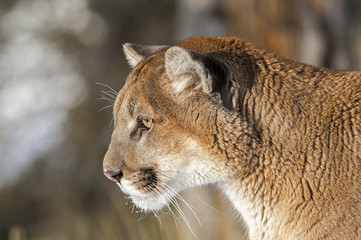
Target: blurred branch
x=17 y=233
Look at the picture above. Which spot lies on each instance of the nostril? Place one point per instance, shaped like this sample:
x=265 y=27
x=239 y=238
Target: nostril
x=114 y=176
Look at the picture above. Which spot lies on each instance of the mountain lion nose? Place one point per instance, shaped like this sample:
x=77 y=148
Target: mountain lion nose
x=114 y=176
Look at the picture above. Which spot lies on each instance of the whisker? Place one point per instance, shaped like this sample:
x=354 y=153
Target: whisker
x=170 y=198
x=110 y=100
x=171 y=190
x=111 y=122
x=174 y=216
x=210 y=206
x=105 y=108
x=158 y=218
x=186 y=203
x=110 y=94
x=142 y=215
x=178 y=208
x=104 y=85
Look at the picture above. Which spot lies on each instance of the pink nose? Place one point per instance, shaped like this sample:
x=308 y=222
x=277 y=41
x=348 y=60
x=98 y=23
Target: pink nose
x=114 y=176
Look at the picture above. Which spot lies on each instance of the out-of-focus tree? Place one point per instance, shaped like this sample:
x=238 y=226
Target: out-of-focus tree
x=328 y=33
x=318 y=32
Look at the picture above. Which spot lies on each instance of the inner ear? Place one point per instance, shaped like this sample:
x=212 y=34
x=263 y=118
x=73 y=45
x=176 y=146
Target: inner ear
x=185 y=67
x=136 y=52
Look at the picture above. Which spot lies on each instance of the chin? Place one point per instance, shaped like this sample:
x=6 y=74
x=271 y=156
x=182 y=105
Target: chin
x=147 y=202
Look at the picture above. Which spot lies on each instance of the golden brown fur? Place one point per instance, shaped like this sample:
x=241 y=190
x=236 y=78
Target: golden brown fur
x=282 y=139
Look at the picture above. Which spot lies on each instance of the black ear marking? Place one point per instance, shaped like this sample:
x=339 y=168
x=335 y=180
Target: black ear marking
x=181 y=64
x=220 y=82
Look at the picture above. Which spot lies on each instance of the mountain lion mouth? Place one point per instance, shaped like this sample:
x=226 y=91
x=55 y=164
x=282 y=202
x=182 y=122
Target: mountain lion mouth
x=149 y=179
x=149 y=193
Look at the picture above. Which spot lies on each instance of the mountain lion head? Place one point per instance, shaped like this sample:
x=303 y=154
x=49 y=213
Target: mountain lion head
x=159 y=146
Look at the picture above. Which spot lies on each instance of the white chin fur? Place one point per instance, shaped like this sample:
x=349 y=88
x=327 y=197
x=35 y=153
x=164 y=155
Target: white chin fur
x=147 y=201
x=150 y=203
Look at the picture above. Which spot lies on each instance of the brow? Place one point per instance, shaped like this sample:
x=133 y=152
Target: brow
x=131 y=107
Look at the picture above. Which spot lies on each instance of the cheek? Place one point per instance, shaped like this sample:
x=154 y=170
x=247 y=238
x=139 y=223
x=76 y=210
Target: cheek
x=163 y=147
x=163 y=153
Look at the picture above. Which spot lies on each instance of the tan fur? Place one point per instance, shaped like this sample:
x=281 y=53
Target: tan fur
x=282 y=139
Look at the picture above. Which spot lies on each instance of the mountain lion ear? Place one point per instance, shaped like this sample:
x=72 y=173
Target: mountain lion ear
x=182 y=66
x=136 y=53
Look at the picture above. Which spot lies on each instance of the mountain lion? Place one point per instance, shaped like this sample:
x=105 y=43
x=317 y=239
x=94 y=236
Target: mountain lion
x=280 y=138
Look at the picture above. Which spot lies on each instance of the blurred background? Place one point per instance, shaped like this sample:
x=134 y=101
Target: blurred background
x=58 y=61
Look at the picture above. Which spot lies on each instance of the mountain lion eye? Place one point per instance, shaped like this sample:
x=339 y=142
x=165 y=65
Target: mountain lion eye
x=147 y=123
x=143 y=124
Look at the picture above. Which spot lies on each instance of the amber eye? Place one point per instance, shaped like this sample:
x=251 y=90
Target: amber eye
x=143 y=124
x=147 y=123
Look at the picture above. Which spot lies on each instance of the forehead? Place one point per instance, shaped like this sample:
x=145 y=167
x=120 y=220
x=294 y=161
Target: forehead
x=141 y=85
x=127 y=100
